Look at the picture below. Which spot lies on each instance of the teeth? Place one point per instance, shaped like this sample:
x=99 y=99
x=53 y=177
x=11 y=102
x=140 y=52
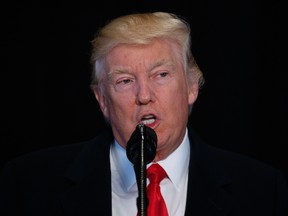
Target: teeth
x=148 y=116
x=148 y=121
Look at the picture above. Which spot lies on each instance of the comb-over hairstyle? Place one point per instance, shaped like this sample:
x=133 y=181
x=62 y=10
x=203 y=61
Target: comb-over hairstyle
x=143 y=28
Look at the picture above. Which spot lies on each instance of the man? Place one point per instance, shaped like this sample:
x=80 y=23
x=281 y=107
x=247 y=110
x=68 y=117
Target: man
x=143 y=73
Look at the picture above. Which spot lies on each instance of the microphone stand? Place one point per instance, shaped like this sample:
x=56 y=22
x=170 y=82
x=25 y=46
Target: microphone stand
x=141 y=178
x=141 y=150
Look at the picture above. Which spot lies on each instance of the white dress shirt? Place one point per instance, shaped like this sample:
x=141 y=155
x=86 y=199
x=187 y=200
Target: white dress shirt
x=173 y=189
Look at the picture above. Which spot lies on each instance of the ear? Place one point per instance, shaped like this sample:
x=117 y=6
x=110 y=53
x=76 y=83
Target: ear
x=193 y=89
x=192 y=85
x=102 y=100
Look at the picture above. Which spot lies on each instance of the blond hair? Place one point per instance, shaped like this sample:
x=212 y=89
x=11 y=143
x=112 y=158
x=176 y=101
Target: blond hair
x=143 y=28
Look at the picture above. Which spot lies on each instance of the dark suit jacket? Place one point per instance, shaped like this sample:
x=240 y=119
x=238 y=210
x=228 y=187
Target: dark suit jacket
x=75 y=180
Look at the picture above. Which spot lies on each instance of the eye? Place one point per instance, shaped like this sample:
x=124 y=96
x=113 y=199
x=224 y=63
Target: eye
x=163 y=74
x=124 y=81
x=162 y=77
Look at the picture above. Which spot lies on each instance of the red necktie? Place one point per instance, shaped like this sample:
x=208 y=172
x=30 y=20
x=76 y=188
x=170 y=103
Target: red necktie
x=156 y=203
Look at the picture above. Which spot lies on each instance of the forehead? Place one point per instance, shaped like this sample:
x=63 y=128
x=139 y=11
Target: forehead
x=158 y=50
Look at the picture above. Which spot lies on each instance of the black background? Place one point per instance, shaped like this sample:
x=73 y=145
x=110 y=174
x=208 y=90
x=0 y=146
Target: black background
x=239 y=46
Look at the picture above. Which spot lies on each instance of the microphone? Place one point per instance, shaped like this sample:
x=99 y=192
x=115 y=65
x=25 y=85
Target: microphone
x=141 y=150
x=146 y=135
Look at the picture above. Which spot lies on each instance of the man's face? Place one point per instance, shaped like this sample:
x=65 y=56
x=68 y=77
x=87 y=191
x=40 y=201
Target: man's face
x=146 y=83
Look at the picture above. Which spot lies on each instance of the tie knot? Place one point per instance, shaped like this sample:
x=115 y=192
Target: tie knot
x=156 y=173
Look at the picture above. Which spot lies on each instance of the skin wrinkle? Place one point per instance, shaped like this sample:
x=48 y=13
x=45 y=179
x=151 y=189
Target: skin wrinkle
x=126 y=73
x=156 y=84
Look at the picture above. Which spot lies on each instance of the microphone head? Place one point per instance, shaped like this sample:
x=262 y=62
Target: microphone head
x=144 y=134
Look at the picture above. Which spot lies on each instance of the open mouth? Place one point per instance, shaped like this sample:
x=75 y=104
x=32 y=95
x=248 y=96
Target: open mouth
x=148 y=119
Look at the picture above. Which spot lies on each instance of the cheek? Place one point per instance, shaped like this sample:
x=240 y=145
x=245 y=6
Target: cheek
x=178 y=101
x=174 y=100
x=119 y=104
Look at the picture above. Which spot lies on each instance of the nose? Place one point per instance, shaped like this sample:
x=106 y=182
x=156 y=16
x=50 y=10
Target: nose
x=144 y=93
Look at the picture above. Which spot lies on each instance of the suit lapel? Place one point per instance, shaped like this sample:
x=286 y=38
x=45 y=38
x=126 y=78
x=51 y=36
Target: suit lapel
x=208 y=181
x=87 y=190
x=85 y=193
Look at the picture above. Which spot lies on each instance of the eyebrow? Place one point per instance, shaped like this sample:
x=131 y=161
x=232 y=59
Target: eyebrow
x=161 y=63
x=123 y=70
x=119 y=70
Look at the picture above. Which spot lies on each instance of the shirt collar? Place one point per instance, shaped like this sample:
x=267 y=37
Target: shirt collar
x=123 y=166
x=175 y=165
